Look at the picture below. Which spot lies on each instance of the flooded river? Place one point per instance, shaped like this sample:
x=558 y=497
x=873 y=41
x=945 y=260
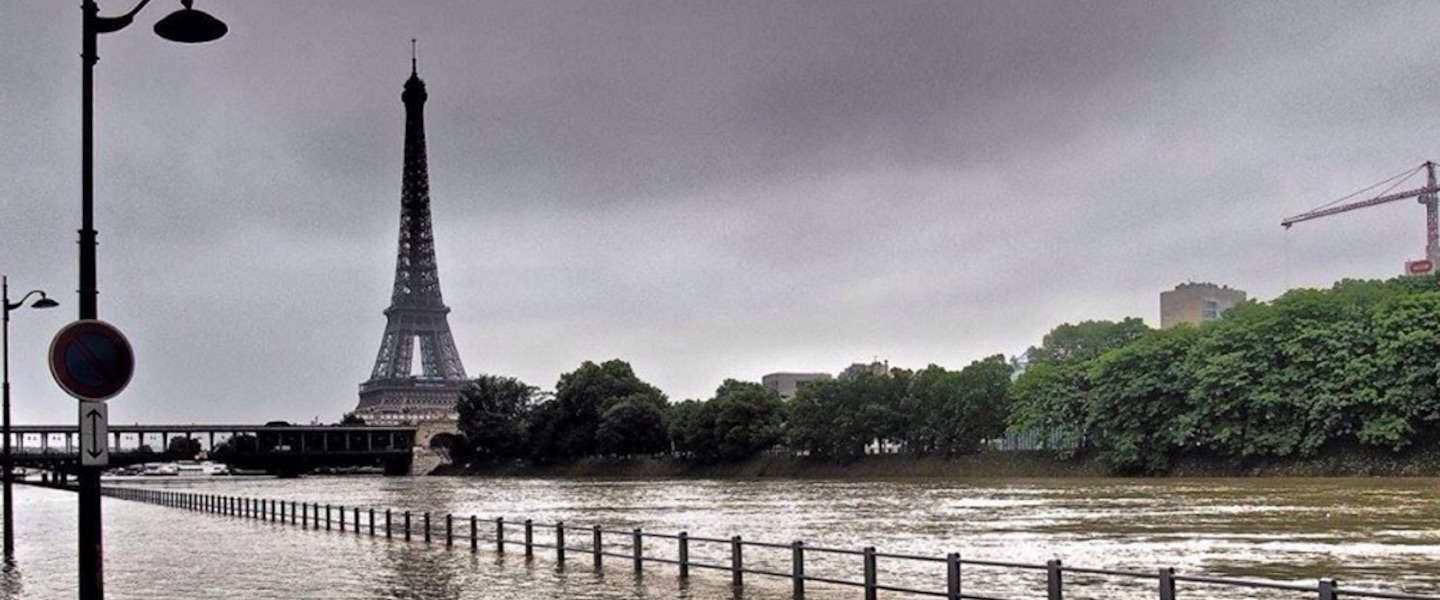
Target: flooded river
x=1377 y=533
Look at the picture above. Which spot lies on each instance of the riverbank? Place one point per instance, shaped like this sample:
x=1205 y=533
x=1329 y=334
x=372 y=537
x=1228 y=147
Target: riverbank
x=1340 y=463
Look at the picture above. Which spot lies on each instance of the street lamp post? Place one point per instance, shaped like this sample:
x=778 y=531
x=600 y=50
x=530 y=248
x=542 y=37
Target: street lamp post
x=186 y=25
x=7 y=305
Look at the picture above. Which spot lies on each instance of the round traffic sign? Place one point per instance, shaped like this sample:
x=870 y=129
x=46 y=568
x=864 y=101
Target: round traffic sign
x=91 y=360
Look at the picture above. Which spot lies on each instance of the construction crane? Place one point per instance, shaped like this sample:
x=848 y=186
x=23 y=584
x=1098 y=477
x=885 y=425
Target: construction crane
x=1426 y=195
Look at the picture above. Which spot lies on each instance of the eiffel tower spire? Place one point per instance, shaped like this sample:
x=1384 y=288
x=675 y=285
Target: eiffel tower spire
x=417 y=316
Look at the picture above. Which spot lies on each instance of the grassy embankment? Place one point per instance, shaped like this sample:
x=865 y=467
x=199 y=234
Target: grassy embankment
x=1346 y=463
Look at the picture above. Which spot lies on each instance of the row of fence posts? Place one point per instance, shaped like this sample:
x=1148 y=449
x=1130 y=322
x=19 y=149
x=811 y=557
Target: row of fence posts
x=308 y=516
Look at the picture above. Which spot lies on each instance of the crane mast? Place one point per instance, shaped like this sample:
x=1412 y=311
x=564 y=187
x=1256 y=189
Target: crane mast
x=1426 y=196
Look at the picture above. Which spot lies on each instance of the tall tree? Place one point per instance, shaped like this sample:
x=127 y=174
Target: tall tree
x=1138 y=405
x=1085 y=340
x=494 y=413
x=631 y=426
x=748 y=418
x=584 y=395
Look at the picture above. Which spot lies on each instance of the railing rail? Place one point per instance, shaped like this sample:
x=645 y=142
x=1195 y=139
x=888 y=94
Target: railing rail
x=631 y=545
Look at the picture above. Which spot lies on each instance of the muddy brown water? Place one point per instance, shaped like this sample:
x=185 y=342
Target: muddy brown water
x=1372 y=533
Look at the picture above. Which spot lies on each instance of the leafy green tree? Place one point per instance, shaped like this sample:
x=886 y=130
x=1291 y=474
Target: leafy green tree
x=838 y=418
x=494 y=413
x=1048 y=399
x=351 y=418
x=692 y=431
x=1085 y=340
x=582 y=397
x=1279 y=379
x=1405 y=405
x=544 y=432
x=1138 y=405
x=956 y=411
x=748 y=419
x=631 y=426
x=979 y=407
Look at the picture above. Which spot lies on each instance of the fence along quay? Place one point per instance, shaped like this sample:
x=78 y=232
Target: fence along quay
x=631 y=547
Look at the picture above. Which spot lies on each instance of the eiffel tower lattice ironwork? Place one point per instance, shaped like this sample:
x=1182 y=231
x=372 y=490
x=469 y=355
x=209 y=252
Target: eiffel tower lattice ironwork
x=417 y=317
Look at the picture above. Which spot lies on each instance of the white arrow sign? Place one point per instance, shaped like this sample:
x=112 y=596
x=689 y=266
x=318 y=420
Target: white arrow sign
x=94 y=431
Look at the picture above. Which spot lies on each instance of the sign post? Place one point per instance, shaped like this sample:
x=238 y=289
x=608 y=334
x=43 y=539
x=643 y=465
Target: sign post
x=94 y=430
x=92 y=361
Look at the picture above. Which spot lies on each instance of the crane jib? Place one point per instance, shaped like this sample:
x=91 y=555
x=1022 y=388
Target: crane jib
x=1325 y=212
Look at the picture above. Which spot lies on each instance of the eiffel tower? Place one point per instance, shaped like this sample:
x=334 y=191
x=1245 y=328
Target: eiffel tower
x=416 y=319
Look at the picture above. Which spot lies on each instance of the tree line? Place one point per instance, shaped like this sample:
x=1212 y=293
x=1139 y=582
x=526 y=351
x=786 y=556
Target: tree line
x=606 y=410
x=1351 y=366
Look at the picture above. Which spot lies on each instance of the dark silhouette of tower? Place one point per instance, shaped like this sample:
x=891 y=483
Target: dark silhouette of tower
x=416 y=319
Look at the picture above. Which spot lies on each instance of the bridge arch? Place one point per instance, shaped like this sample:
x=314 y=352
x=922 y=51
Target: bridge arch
x=445 y=439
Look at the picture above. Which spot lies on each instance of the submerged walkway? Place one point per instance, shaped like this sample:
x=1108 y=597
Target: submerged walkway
x=637 y=548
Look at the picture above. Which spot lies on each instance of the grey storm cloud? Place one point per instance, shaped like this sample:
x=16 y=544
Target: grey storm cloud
x=706 y=189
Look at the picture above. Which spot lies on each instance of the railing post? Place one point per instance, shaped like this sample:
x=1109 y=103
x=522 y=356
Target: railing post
x=638 y=543
x=596 y=544
x=684 y=554
x=292 y=512
x=356 y=514
x=372 y=522
x=499 y=535
x=952 y=576
x=797 y=569
x=870 y=591
x=529 y=538
x=474 y=534
x=387 y=523
x=304 y=515
x=342 y=519
x=1167 y=583
x=737 y=562
x=327 y=517
x=1053 y=583
x=427 y=526
x=282 y=512
x=407 y=525
x=1327 y=589
x=560 y=543
x=449 y=536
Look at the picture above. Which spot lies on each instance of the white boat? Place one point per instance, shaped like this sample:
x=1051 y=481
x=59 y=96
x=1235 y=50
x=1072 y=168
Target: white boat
x=201 y=469
x=161 y=470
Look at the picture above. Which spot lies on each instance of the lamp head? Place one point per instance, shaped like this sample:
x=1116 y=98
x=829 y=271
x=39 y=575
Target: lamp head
x=190 y=26
x=44 y=302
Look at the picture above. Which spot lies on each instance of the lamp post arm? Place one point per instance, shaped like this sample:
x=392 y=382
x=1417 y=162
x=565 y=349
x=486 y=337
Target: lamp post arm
x=113 y=24
x=9 y=306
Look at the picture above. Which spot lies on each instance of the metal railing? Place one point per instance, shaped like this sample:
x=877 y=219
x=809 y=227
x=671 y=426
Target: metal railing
x=632 y=548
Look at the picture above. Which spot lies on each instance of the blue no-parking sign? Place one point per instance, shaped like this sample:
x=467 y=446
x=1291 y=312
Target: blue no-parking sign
x=91 y=360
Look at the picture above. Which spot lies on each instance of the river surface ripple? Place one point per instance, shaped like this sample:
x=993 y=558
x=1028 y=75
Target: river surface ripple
x=1376 y=533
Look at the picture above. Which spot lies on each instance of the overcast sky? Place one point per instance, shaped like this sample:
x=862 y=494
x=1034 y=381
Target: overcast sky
x=705 y=189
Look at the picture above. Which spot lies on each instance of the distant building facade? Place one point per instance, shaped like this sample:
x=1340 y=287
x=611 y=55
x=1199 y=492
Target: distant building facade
x=787 y=384
x=1196 y=303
